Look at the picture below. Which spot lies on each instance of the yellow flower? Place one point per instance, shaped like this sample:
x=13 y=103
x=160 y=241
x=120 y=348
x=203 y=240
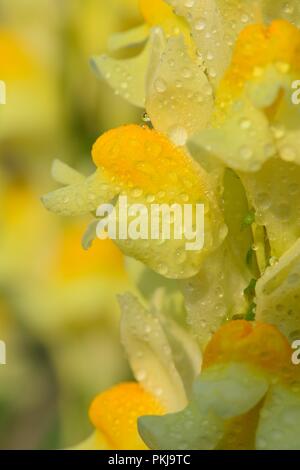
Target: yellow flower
x=23 y=224
x=127 y=76
x=164 y=359
x=66 y=298
x=114 y=414
x=31 y=100
x=45 y=263
x=255 y=129
x=232 y=98
x=225 y=93
x=145 y=166
x=247 y=396
x=229 y=98
x=90 y=25
x=254 y=96
x=232 y=103
x=72 y=261
x=260 y=344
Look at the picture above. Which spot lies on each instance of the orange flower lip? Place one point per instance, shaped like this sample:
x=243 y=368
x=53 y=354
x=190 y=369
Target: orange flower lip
x=257 y=47
x=259 y=344
x=144 y=160
x=115 y=413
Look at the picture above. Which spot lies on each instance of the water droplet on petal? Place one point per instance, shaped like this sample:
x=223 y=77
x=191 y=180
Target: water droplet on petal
x=160 y=85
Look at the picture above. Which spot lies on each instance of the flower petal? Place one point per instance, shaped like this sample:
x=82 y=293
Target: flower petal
x=186 y=352
x=289 y=146
x=278 y=291
x=80 y=198
x=254 y=108
x=243 y=142
x=151 y=173
x=290 y=11
x=273 y=94
x=96 y=441
x=215 y=25
x=217 y=292
x=64 y=174
x=278 y=427
x=129 y=38
x=192 y=429
x=230 y=390
x=179 y=83
x=158 y=13
x=260 y=345
x=114 y=414
x=265 y=57
x=127 y=76
x=167 y=304
x=218 y=394
x=150 y=169
x=150 y=354
x=273 y=192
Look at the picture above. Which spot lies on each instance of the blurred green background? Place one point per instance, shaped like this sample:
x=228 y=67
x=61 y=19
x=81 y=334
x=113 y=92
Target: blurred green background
x=58 y=310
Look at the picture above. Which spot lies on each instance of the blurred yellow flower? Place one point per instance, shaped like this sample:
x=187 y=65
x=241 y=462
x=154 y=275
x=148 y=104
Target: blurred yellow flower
x=65 y=296
x=32 y=107
x=88 y=28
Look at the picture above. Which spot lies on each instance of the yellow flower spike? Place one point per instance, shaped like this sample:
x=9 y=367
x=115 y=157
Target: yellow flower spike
x=147 y=168
x=114 y=414
x=259 y=344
